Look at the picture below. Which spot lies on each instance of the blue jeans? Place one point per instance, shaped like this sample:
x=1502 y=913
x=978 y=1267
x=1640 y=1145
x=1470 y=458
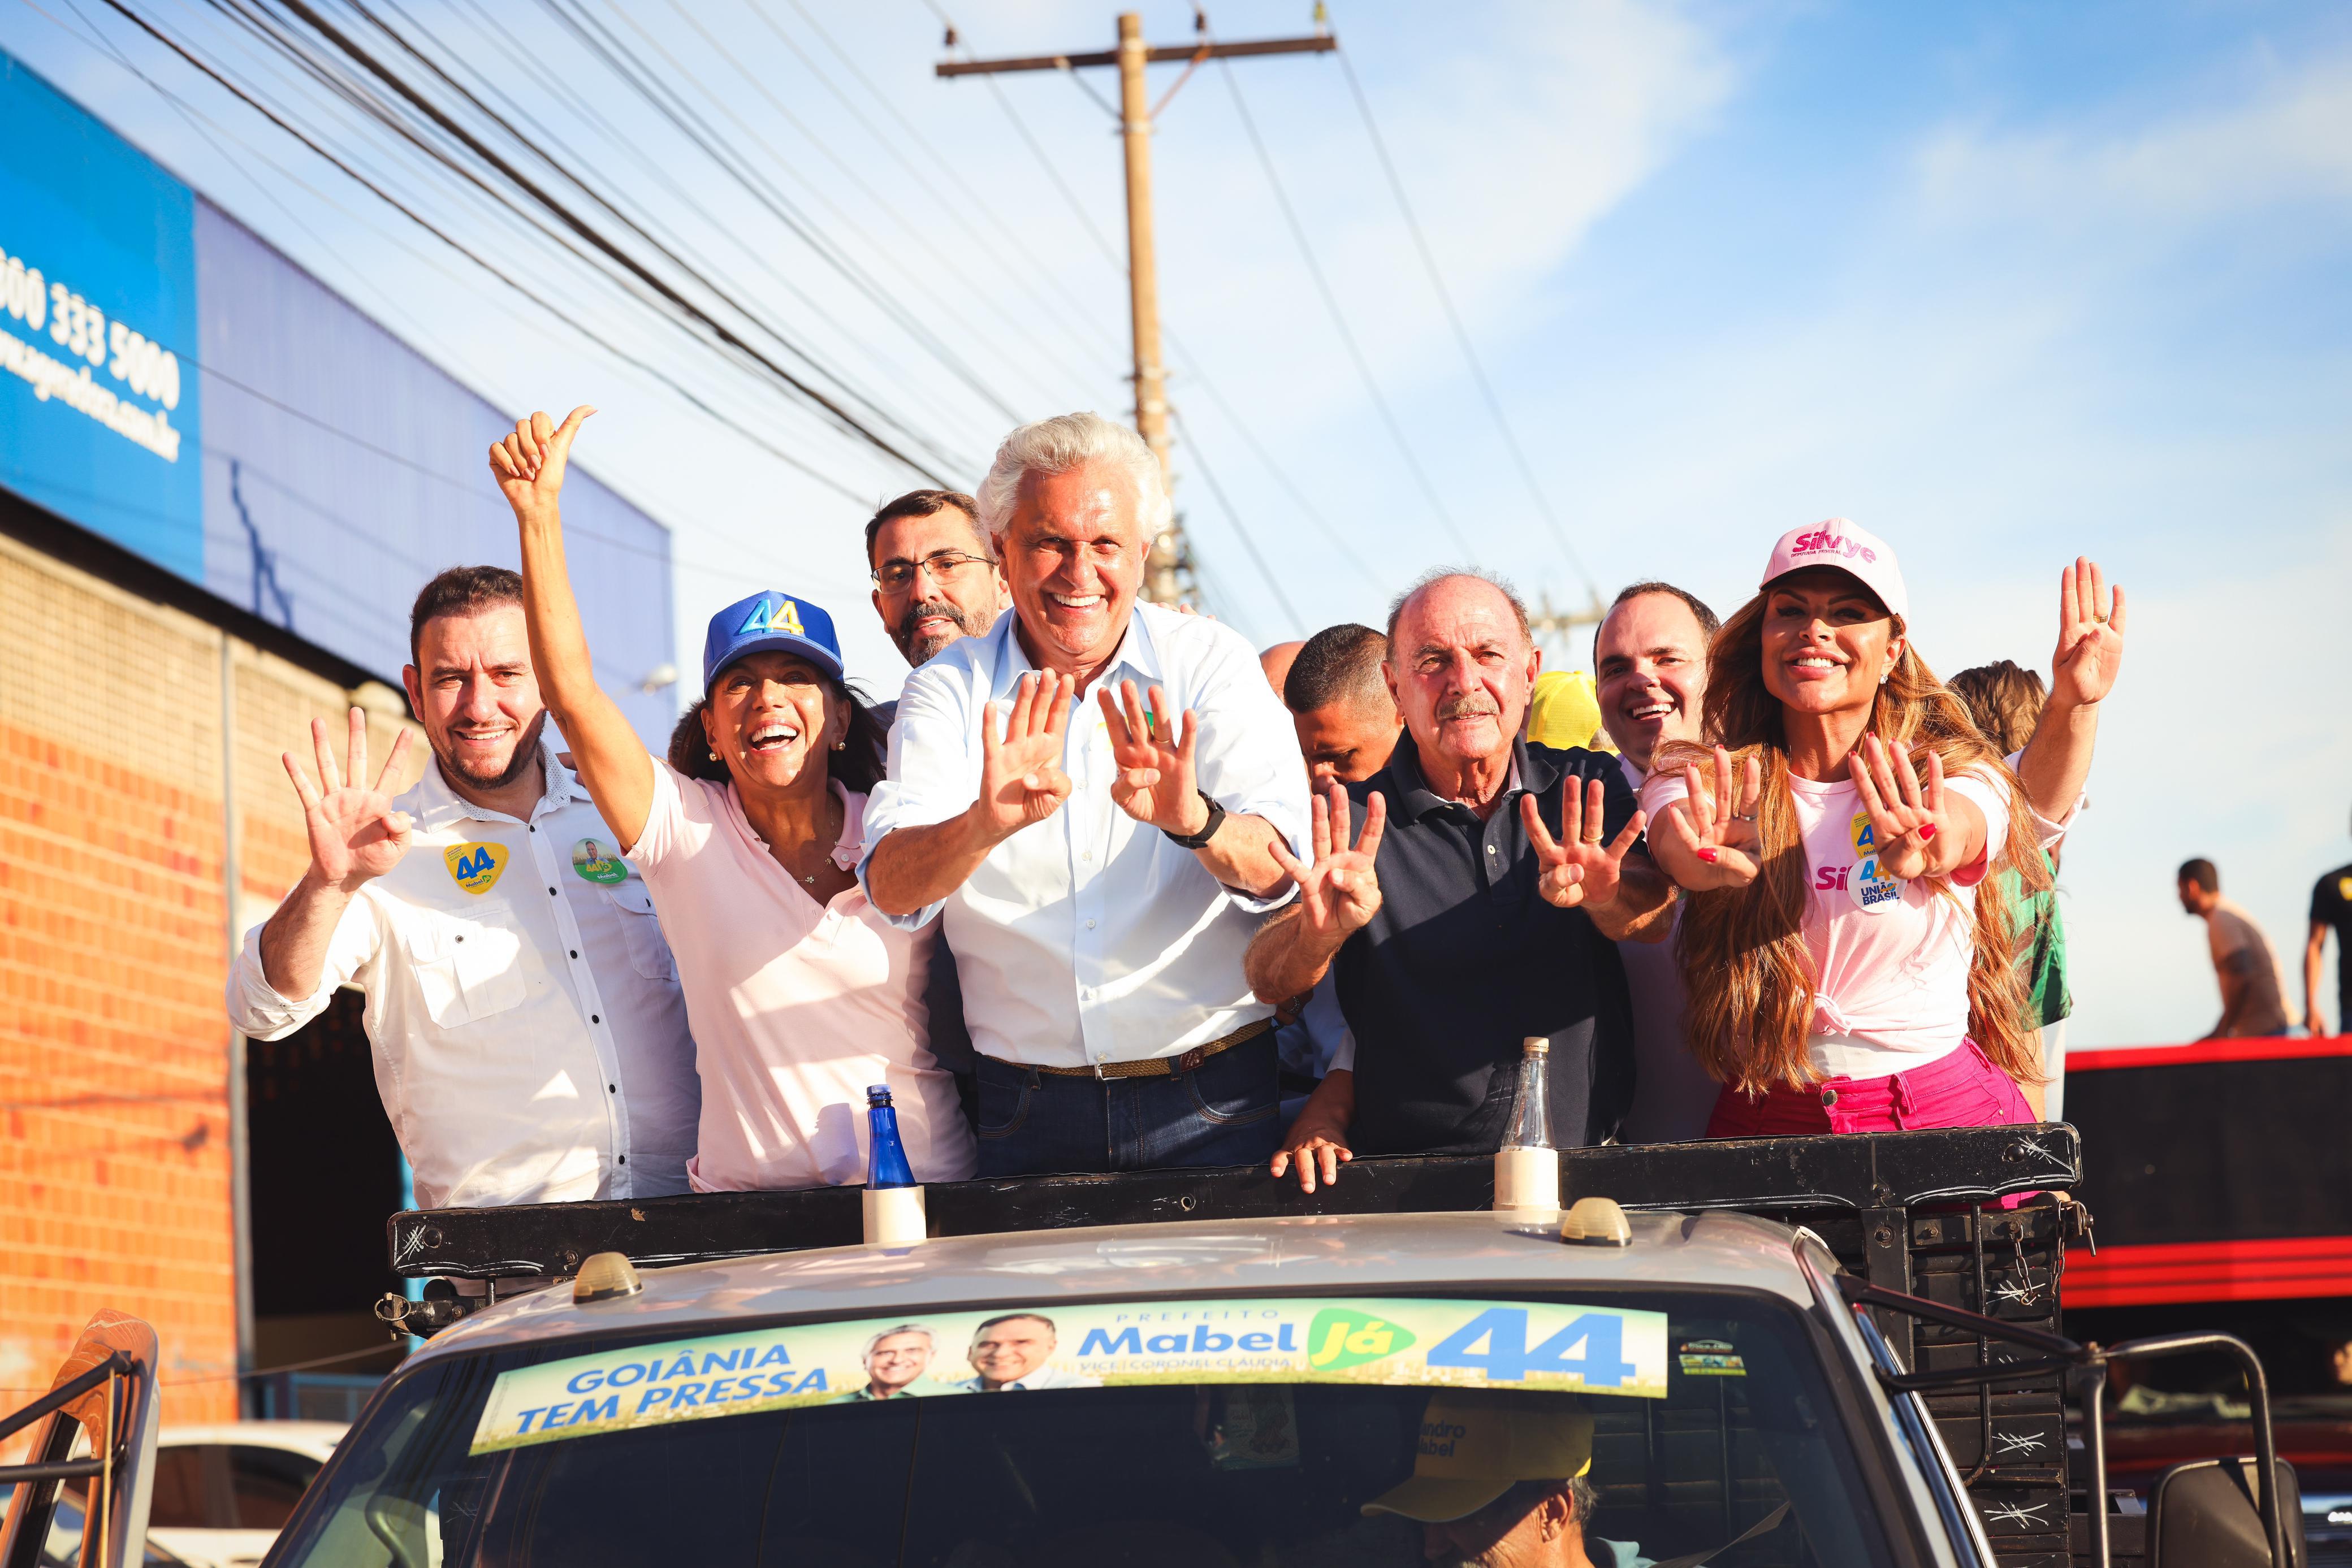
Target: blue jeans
x=1225 y=1111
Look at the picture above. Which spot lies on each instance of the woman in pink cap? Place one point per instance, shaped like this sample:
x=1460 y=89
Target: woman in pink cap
x=1848 y=956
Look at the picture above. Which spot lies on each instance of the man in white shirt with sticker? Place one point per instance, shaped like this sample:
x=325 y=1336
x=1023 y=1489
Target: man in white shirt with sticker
x=1086 y=796
x=530 y=1041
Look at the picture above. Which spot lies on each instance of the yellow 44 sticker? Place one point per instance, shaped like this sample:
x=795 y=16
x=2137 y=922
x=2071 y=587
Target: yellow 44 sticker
x=475 y=867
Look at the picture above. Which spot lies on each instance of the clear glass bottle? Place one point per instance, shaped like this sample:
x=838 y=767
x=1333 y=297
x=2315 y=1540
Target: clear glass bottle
x=887 y=1157
x=1527 y=1166
x=1530 y=1124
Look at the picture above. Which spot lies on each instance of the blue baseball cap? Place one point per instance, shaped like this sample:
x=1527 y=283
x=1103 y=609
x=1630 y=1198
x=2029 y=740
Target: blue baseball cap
x=771 y=618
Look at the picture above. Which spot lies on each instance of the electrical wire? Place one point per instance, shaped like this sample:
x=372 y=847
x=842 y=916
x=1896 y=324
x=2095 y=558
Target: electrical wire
x=1064 y=313
x=1462 y=333
x=1339 y=322
x=1266 y=574
x=683 y=119
x=586 y=331
x=587 y=232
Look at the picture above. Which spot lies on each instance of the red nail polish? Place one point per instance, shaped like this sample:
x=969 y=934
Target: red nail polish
x=1707 y=855
x=1927 y=831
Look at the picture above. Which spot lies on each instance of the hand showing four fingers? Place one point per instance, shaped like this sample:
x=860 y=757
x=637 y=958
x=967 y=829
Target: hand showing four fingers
x=355 y=834
x=2089 y=637
x=1020 y=777
x=1717 y=827
x=1578 y=868
x=1154 y=753
x=1340 y=892
x=1907 y=813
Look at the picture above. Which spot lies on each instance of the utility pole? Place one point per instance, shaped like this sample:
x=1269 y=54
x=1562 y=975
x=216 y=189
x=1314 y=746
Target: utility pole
x=1162 y=582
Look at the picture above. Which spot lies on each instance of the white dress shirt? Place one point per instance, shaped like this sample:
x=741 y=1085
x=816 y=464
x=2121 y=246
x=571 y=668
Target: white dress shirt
x=1091 y=937
x=530 y=1041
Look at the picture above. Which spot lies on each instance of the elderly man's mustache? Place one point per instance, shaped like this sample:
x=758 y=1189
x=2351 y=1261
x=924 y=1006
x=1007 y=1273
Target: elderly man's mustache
x=1468 y=708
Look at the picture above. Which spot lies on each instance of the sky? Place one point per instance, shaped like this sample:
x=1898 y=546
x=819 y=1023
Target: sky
x=2005 y=283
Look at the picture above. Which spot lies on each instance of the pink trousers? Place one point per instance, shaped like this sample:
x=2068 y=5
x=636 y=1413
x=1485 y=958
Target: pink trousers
x=1961 y=1090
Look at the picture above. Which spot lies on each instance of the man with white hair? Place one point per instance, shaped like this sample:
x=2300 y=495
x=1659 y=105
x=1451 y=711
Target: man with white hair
x=1098 y=868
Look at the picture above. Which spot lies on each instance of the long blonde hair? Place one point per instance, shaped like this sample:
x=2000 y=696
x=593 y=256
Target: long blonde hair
x=1746 y=968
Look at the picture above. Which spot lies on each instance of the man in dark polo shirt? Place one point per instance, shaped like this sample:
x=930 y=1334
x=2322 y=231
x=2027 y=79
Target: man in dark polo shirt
x=1479 y=905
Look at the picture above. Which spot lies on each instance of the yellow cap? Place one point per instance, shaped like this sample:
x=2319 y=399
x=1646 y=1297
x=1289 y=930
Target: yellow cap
x=1564 y=711
x=1475 y=1447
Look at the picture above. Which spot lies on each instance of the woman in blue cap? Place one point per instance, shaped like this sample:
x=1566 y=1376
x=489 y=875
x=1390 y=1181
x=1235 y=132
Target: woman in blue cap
x=798 y=993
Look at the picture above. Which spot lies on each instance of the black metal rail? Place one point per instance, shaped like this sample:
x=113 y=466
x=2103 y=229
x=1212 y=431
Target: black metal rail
x=1856 y=1175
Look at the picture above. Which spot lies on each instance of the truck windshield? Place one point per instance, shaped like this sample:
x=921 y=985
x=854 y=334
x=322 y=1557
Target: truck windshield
x=1276 y=1433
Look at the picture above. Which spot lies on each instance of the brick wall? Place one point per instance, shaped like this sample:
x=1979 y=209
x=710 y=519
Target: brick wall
x=115 y=1058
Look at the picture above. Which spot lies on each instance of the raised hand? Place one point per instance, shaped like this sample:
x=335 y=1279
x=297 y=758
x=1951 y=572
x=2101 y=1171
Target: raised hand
x=1340 y=892
x=1578 y=868
x=1907 y=813
x=1716 y=826
x=528 y=464
x=1155 y=780
x=1020 y=777
x=355 y=834
x=2089 y=637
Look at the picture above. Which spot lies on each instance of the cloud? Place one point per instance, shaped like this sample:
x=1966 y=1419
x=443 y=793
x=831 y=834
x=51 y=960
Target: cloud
x=2287 y=138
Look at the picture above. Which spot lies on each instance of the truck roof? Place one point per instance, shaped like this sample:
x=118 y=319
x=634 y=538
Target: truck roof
x=1354 y=1254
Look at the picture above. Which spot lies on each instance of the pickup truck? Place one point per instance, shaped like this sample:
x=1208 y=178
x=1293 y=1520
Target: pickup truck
x=1804 y=1350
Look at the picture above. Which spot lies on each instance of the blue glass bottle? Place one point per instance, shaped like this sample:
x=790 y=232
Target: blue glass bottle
x=887 y=1157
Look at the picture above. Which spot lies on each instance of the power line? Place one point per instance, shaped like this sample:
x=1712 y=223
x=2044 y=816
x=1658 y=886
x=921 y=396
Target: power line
x=1339 y=320
x=916 y=233
x=1266 y=574
x=478 y=259
x=973 y=204
x=683 y=119
x=580 y=226
x=1460 y=332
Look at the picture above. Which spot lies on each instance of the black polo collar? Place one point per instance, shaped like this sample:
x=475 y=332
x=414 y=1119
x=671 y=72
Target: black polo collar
x=1404 y=781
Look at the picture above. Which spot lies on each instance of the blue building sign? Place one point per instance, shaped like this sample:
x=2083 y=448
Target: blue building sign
x=334 y=468
x=98 y=404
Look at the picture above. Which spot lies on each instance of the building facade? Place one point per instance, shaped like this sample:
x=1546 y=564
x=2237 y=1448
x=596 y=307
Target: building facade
x=220 y=487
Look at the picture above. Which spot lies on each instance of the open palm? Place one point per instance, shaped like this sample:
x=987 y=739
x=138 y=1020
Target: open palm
x=2090 y=636
x=1020 y=777
x=1154 y=753
x=355 y=834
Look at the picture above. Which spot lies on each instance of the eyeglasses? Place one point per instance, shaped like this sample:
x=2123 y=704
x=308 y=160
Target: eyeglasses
x=945 y=566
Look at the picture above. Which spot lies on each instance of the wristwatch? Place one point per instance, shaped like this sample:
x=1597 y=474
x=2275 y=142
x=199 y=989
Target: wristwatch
x=1200 y=841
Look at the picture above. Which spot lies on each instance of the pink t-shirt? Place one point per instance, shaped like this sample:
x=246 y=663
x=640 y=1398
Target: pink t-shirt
x=1890 y=956
x=795 y=1006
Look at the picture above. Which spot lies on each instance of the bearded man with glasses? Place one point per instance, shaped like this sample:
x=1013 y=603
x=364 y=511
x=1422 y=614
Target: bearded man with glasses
x=935 y=574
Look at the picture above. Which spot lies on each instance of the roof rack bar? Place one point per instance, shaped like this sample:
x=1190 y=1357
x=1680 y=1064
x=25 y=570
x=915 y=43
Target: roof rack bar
x=1846 y=1172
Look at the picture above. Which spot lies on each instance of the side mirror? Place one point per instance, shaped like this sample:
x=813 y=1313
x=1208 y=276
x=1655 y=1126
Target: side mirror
x=2203 y=1514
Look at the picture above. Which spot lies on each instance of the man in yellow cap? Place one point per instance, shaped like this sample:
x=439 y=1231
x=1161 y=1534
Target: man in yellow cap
x=1500 y=1481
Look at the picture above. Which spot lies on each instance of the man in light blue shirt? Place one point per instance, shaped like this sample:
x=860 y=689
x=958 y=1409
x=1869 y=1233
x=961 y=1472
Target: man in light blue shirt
x=1087 y=797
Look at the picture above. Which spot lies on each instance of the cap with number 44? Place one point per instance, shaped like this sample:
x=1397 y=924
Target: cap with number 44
x=770 y=620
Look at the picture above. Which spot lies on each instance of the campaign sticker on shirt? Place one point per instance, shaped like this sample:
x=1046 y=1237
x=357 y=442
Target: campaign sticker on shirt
x=2343 y=887
x=476 y=867
x=594 y=863
x=1874 y=892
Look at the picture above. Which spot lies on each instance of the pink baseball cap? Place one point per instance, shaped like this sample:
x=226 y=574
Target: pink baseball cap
x=1852 y=549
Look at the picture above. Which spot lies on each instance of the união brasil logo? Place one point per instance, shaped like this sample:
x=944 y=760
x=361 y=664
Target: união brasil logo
x=476 y=867
x=1339 y=1338
x=782 y=616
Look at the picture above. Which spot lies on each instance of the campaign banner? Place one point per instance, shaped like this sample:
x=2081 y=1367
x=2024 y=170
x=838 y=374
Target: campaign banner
x=1539 y=1345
